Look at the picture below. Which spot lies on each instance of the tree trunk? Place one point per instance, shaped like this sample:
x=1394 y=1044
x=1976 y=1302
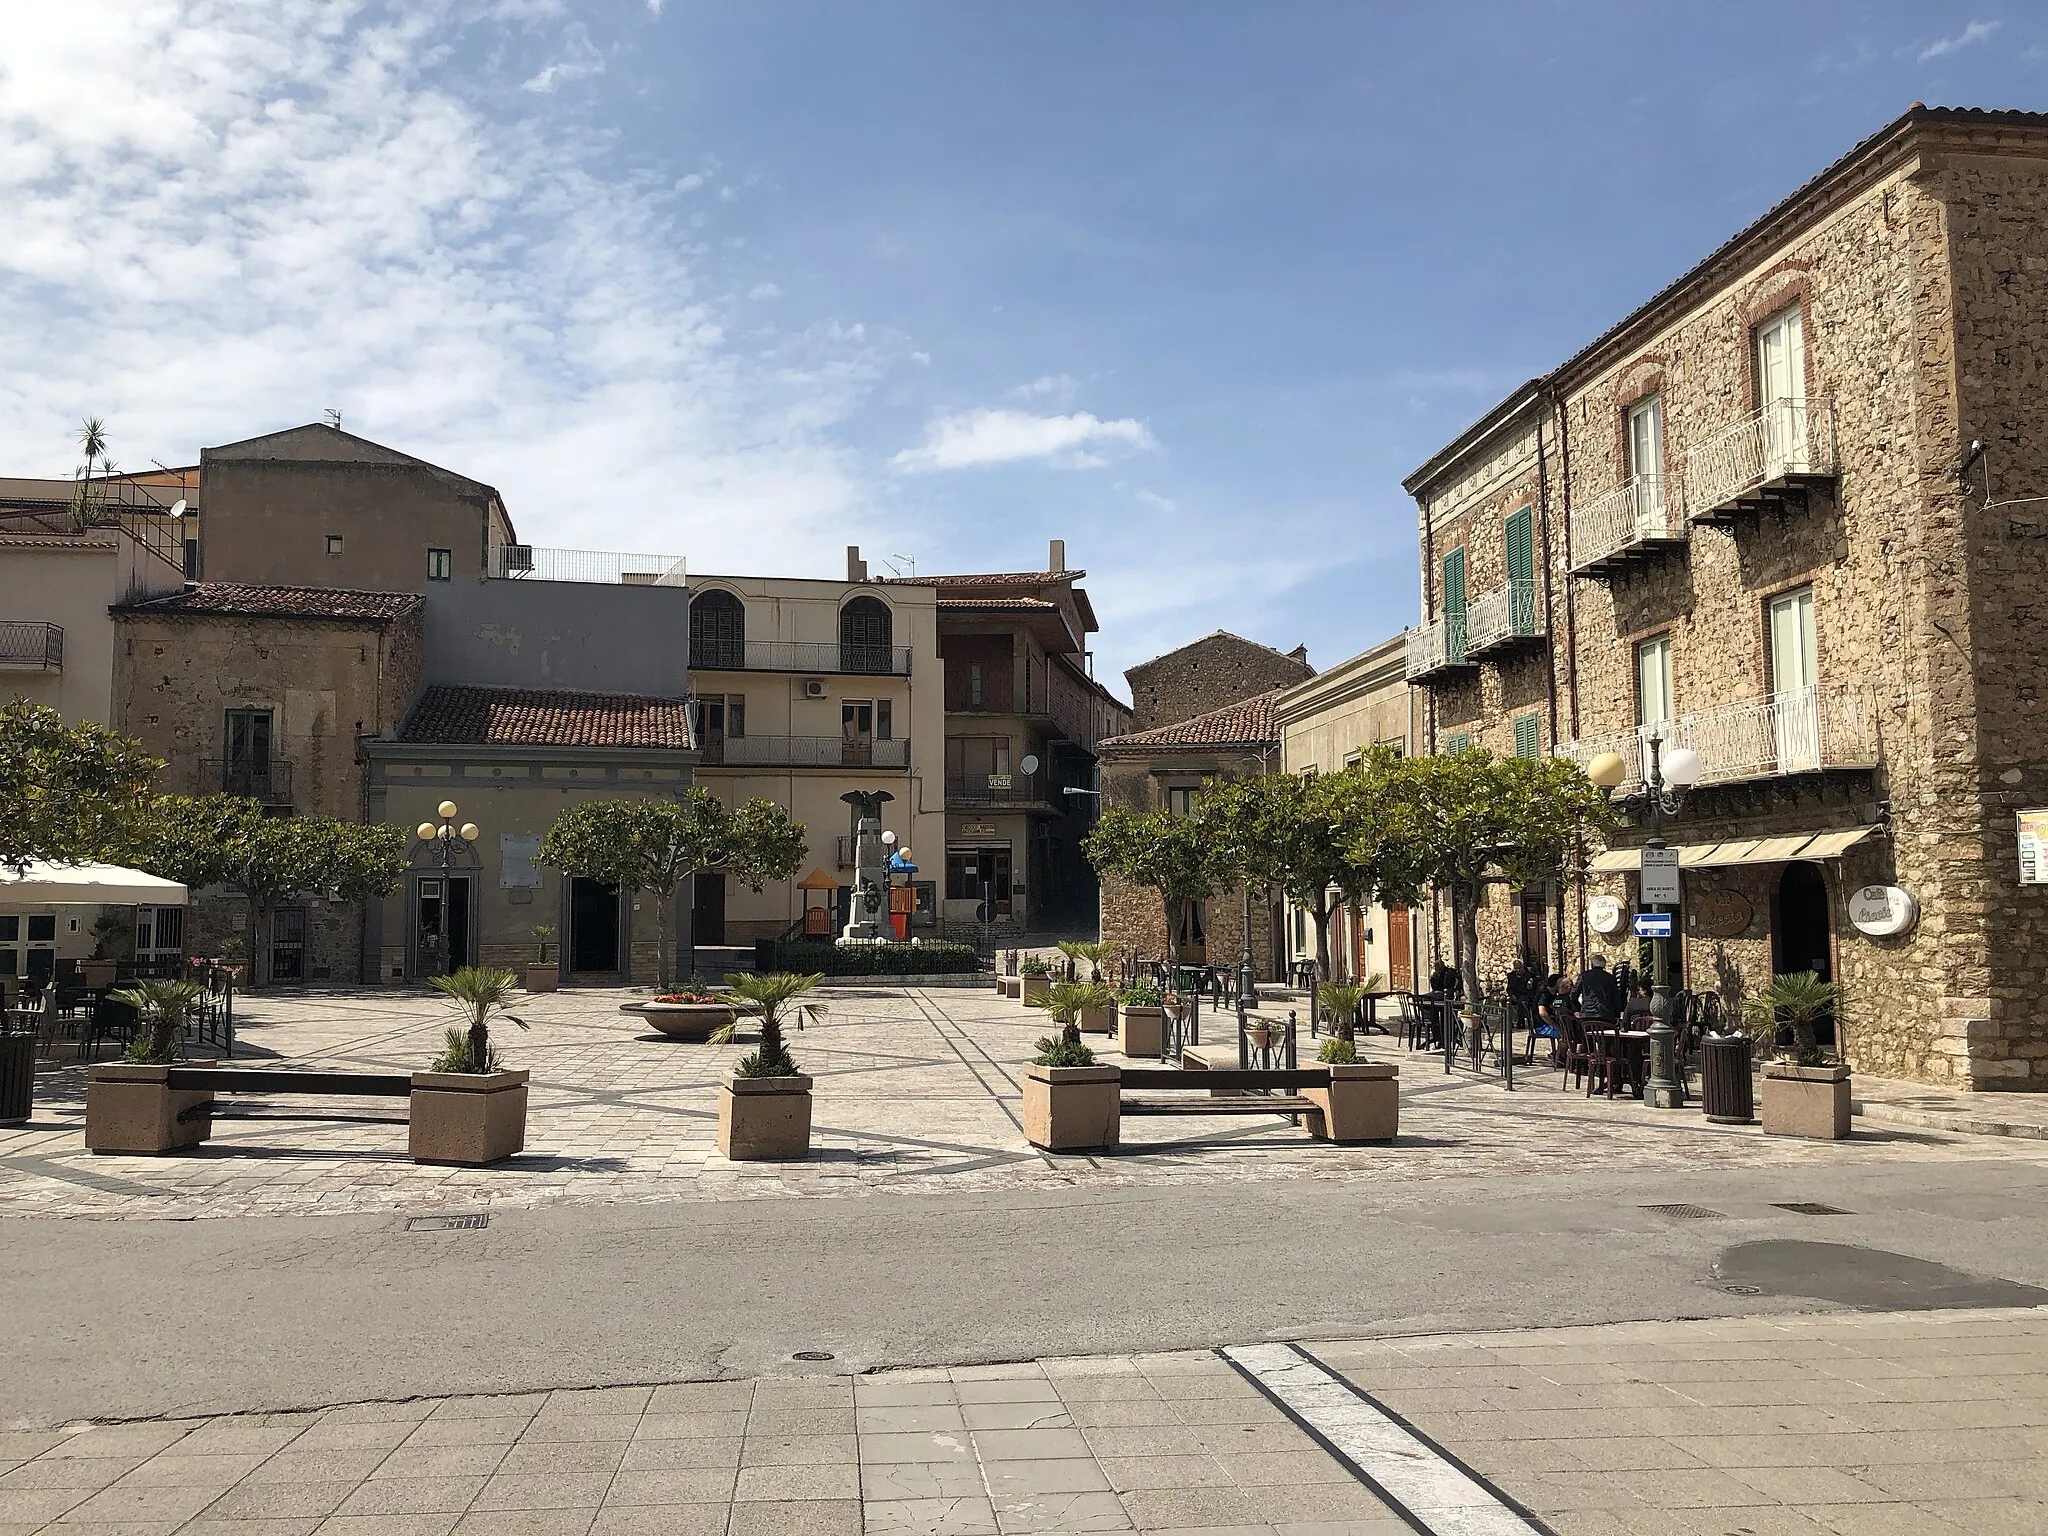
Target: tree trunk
x=259 y=917
x=1172 y=942
x=772 y=1048
x=664 y=907
x=479 y=1047
x=1322 y=917
x=1465 y=911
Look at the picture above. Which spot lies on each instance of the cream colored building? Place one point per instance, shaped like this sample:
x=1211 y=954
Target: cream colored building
x=1326 y=725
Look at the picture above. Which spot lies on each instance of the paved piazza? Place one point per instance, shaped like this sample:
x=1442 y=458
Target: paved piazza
x=917 y=1090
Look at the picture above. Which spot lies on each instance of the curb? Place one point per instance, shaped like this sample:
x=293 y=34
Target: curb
x=1946 y=1120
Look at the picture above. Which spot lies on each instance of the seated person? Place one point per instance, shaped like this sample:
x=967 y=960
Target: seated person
x=1637 y=1012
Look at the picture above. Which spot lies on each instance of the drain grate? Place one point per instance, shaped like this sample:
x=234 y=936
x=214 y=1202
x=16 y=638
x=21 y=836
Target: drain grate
x=813 y=1354
x=1686 y=1212
x=1810 y=1208
x=465 y=1223
x=1743 y=1290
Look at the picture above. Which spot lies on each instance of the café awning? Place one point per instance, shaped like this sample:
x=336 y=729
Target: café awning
x=1741 y=850
x=43 y=884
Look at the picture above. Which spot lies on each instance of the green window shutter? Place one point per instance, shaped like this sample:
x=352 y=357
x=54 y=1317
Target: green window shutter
x=1454 y=582
x=1528 y=736
x=1521 y=545
x=1457 y=741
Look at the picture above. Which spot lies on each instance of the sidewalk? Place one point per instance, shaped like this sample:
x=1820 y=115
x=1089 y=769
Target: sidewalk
x=1889 y=1101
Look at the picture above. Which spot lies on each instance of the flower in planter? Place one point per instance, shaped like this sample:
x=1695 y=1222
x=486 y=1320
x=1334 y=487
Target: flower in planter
x=1798 y=1001
x=480 y=993
x=767 y=998
x=701 y=999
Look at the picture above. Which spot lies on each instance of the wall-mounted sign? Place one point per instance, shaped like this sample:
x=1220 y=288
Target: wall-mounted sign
x=1721 y=914
x=978 y=829
x=1653 y=925
x=999 y=781
x=2033 y=847
x=1603 y=914
x=1883 y=911
x=1660 y=876
x=515 y=859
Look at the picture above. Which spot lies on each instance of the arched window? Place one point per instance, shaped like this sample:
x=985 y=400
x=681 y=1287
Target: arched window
x=718 y=631
x=865 y=636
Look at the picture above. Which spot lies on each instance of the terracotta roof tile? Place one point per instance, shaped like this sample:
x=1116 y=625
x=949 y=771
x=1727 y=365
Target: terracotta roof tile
x=229 y=599
x=984 y=579
x=1247 y=723
x=546 y=717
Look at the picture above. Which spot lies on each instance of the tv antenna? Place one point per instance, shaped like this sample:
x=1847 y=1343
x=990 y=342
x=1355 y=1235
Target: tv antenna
x=903 y=566
x=333 y=414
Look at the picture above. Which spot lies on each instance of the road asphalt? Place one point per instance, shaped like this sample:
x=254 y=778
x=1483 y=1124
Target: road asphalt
x=116 y=1319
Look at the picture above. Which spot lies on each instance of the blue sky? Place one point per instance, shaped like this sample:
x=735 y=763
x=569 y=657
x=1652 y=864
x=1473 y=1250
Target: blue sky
x=1191 y=285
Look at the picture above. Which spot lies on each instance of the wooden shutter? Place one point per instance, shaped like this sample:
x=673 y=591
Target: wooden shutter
x=1528 y=736
x=1454 y=582
x=1457 y=741
x=1521 y=545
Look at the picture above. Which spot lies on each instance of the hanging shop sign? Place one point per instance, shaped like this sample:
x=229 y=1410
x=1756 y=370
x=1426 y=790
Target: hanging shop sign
x=1603 y=914
x=2033 y=827
x=1721 y=914
x=1883 y=911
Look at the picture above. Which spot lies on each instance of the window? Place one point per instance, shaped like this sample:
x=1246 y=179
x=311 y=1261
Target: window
x=1653 y=681
x=42 y=928
x=1646 y=458
x=721 y=716
x=1398 y=748
x=718 y=631
x=1354 y=759
x=1454 y=604
x=1528 y=736
x=246 y=770
x=192 y=566
x=440 y=565
x=977 y=764
x=1182 y=801
x=1795 y=678
x=288 y=944
x=977 y=686
x=1781 y=391
x=865 y=636
x=885 y=720
x=1518 y=535
x=977 y=874
x=333 y=546
x=1458 y=741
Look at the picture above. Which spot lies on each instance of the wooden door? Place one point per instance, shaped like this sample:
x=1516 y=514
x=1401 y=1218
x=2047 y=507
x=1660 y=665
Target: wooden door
x=1400 y=951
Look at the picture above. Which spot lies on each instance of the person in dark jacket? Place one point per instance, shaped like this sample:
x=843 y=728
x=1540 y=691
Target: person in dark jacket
x=1444 y=981
x=1597 y=998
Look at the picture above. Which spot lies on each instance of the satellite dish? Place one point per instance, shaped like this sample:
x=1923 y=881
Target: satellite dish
x=178 y=508
x=1029 y=765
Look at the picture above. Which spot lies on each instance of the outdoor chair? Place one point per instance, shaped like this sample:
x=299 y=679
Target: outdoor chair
x=111 y=1020
x=1404 y=1023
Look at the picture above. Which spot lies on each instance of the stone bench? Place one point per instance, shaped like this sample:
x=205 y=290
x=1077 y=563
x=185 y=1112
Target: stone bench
x=1071 y=1109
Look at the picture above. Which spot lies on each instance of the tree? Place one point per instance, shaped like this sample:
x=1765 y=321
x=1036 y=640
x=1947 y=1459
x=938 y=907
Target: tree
x=89 y=504
x=69 y=792
x=192 y=839
x=768 y=998
x=162 y=1007
x=1470 y=820
x=1167 y=853
x=645 y=844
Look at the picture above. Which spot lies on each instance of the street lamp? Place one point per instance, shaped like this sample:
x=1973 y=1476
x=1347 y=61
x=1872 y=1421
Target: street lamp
x=1667 y=778
x=445 y=837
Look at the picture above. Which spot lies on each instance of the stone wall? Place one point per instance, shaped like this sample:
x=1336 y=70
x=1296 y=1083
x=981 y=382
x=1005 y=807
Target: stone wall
x=1207 y=674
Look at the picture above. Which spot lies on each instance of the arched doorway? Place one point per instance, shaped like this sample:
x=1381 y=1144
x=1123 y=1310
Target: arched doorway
x=718 y=631
x=866 y=635
x=1802 y=931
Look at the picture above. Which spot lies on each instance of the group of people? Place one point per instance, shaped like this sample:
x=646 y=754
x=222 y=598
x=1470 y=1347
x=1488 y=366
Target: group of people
x=1598 y=998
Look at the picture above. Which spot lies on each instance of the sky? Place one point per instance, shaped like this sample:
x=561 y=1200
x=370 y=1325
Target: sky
x=1191 y=285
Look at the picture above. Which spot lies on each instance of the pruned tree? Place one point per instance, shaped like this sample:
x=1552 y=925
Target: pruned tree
x=1168 y=854
x=67 y=792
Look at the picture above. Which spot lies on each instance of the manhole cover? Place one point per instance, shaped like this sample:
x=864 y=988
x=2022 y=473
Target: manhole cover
x=1743 y=1290
x=813 y=1354
x=1869 y=1278
x=1809 y=1208
x=465 y=1223
x=1686 y=1212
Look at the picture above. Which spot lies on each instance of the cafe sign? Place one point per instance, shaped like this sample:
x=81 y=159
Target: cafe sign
x=1883 y=911
x=1604 y=914
x=1721 y=914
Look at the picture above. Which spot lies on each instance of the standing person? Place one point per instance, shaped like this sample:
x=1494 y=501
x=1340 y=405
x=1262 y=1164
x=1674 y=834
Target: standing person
x=1597 y=998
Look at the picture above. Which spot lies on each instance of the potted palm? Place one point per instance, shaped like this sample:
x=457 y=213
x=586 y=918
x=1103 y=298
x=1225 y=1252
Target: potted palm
x=1070 y=1103
x=130 y=1105
x=1806 y=1088
x=468 y=1109
x=1141 y=1019
x=764 y=1104
x=1337 y=1008
x=1035 y=978
x=541 y=976
x=1084 y=1004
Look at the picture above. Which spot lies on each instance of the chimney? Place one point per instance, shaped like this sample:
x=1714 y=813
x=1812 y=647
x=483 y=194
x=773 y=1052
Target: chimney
x=1058 y=560
x=1300 y=654
x=856 y=568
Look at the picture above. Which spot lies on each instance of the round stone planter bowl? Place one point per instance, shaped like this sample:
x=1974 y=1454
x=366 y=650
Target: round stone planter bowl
x=693 y=1022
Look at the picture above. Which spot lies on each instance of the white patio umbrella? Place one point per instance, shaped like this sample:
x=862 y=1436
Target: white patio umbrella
x=45 y=884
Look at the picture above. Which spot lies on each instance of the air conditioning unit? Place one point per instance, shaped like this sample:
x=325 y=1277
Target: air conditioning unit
x=518 y=557
x=814 y=687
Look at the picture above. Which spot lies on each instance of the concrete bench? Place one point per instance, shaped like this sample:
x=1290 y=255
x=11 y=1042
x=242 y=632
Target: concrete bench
x=1080 y=1108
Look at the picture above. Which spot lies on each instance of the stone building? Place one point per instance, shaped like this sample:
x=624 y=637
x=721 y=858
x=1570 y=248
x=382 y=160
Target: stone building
x=1207 y=674
x=1749 y=519
x=1327 y=724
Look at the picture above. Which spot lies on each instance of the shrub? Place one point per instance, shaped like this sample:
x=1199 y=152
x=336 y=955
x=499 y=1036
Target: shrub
x=1034 y=967
x=1058 y=1051
x=1339 y=1050
x=936 y=957
x=1798 y=1001
x=162 y=1008
x=770 y=999
x=1338 y=1003
x=1069 y=999
x=457 y=1055
x=1140 y=994
x=481 y=994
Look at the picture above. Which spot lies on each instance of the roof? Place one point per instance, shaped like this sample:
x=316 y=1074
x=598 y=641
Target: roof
x=1224 y=634
x=1247 y=723
x=994 y=579
x=546 y=717
x=233 y=599
x=1000 y=604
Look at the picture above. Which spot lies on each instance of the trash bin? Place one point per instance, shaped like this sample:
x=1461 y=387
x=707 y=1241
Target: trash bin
x=1727 y=1090
x=17 y=1076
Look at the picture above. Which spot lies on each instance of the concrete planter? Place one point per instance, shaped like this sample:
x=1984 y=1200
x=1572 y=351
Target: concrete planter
x=467 y=1119
x=98 y=973
x=17 y=1077
x=686 y=1021
x=764 y=1119
x=1010 y=986
x=131 y=1108
x=1093 y=1021
x=1070 y=1109
x=1037 y=990
x=1362 y=1103
x=542 y=978
x=1806 y=1101
x=1141 y=1031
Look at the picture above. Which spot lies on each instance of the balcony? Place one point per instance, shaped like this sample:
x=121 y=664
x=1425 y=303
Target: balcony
x=1434 y=649
x=532 y=562
x=814 y=656
x=1636 y=522
x=1805 y=730
x=1000 y=791
x=803 y=752
x=1768 y=460
x=1503 y=620
x=267 y=783
x=31 y=647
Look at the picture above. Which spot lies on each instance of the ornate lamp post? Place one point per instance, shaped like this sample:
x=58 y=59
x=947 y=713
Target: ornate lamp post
x=443 y=843
x=1667 y=778
x=444 y=838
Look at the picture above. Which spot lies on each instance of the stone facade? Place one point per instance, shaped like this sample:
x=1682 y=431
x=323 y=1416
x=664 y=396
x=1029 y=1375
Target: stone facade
x=1902 y=727
x=1207 y=674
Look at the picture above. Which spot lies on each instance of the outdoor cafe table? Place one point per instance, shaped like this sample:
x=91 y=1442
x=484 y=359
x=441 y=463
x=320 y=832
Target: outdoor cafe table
x=1631 y=1046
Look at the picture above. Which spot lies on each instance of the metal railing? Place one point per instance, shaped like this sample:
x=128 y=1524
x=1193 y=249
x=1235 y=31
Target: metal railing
x=803 y=752
x=1785 y=440
x=600 y=567
x=27 y=643
x=1437 y=647
x=800 y=656
x=270 y=783
x=1802 y=730
x=1002 y=789
x=1644 y=511
x=1506 y=614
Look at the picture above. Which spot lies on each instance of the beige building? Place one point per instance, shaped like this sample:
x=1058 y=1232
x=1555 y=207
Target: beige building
x=1783 y=514
x=1326 y=725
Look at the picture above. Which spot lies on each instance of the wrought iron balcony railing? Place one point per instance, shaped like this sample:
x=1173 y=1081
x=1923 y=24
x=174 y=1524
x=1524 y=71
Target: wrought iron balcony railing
x=1768 y=457
x=1000 y=789
x=31 y=646
x=803 y=752
x=1632 y=521
x=268 y=782
x=1503 y=618
x=855 y=658
x=1803 y=730
x=1438 y=647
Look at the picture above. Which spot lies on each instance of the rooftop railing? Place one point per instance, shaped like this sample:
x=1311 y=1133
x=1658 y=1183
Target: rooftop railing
x=1633 y=519
x=1503 y=617
x=597 y=566
x=1801 y=730
x=31 y=645
x=1785 y=444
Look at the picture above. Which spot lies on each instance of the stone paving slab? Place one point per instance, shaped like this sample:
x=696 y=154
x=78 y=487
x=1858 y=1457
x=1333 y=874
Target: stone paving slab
x=918 y=1091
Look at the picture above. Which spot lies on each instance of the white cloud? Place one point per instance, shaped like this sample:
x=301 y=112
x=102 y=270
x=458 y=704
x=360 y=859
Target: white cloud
x=1061 y=385
x=764 y=291
x=1003 y=437
x=289 y=206
x=1158 y=502
x=1975 y=32
x=690 y=183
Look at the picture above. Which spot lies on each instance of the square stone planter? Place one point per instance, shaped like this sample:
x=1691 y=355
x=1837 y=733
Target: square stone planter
x=1362 y=1103
x=764 y=1119
x=542 y=978
x=1093 y=1021
x=1010 y=986
x=1071 y=1109
x=1141 y=1031
x=1037 y=989
x=131 y=1108
x=1806 y=1101
x=467 y=1119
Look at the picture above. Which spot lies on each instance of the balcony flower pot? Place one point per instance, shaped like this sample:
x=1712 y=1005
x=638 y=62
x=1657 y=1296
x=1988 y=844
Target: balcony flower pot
x=131 y=1108
x=764 y=1119
x=1812 y=1102
x=1037 y=990
x=686 y=1021
x=1260 y=1035
x=467 y=1119
x=17 y=1077
x=1141 y=1031
x=1071 y=1109
x=1362 y=1103
x=542 y=978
